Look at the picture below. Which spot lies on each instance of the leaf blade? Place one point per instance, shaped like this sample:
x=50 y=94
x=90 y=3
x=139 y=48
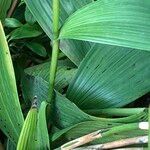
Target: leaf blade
x=11 y=123
x=122 y=23
x=110 y=76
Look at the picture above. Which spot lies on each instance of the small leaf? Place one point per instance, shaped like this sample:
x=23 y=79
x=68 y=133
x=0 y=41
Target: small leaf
x=25 y=31
x=12 y=23
x=37 y=48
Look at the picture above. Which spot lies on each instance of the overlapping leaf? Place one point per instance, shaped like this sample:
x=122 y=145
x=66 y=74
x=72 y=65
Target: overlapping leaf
x=65 y=72
x=123 y=23
x=11 y=118
x=87 y=127
x=42 y=12
x=110 y=76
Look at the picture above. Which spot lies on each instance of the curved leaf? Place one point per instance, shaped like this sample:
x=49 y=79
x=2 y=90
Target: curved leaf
x=11 y=118
x=42 y=12
x=110 y=76
x=87 y=127
x=26 y=31
x=12 y=23
x=123 y=23
x=28 y=135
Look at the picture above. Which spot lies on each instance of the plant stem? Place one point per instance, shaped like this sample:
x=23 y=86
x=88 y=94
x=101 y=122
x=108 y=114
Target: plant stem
x=12 y=9
x=99 y=134
x=55 y=49
x=116 y=144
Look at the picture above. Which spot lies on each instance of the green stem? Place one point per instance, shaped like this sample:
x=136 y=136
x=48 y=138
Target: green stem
x=121 y=128
x=55 y=50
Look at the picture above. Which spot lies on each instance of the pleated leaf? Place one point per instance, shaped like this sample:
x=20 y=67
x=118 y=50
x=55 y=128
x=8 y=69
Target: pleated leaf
x=4 y=6
x=64 y=75
x=66 y=113
x=42 y=12
x=11 y=118
x=123 y=23
x=110 y=76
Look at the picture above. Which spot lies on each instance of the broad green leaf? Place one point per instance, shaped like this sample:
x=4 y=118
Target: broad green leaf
x=12 y=23
x=28 y=135
x=42 y=12
x=4 y=6
x=110 y=76
x=42 y=136
x=26 y=31
x=37 y=48
x=65 y=72
x=123 y=23
x=11 y=118
x=67 y=113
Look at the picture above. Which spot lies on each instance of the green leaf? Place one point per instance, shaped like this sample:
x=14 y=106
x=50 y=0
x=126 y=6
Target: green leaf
x=87 y=127
x=4 y=6
x=28 y=135
x=12 y=23
x=42 y=12
x=42 y=136
x=110 y=76
x=37 y=48
x=10 y=145
x=123 y=23
x=29 y=17
x=79 y=130
x=11 y=118
x=26 y=31
x=64 y=75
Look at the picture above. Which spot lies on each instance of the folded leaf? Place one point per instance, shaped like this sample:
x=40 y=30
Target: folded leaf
x=123 y=23
x=42 y=136
x=28 y=135
x=110 y=76
x=11 y=118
